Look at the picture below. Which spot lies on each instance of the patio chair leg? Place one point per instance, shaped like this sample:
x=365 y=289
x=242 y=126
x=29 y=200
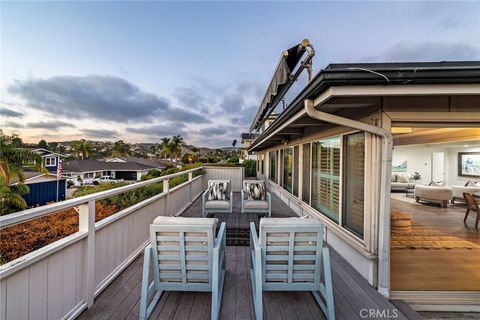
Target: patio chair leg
x=466 y=215
x=326 y=291
x=147 y=289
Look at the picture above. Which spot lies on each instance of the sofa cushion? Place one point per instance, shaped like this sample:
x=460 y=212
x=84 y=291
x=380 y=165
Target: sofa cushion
x=402 y=178
x=394 y=177
x=217 y=204
x=470 y=184
x=217 y=190
x=255 y=190
x=255 y=204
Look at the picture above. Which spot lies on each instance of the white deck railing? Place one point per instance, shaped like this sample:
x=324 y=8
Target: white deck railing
x=61 y=280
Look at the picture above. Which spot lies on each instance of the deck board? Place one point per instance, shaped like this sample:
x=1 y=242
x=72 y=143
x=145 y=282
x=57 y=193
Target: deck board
x=120 y=300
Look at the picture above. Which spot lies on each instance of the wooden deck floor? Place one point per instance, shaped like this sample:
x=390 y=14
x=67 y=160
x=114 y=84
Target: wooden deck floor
x=120 y=300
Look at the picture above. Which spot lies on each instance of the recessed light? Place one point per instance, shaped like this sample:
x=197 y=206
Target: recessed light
x=466 y=145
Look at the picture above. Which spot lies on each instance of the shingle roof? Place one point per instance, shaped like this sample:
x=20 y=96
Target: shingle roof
x=95 y=165
x=29 y=175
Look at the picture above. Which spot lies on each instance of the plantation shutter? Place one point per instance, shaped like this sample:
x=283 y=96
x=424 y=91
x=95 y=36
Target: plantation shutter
x=326 y=177
x=354 y=177
x=288 y=169
x=306 y=173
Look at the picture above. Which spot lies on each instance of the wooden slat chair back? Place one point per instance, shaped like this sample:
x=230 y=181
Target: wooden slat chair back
x=185 y=256
x=472 y=205
x=289 y=256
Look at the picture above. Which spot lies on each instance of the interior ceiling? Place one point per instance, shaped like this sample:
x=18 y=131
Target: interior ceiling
x=436 y=135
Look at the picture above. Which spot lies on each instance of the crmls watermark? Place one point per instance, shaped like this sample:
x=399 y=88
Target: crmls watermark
x=378 y=313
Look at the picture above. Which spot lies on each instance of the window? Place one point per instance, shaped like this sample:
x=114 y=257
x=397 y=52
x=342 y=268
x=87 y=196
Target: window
x=288 y=169
x=326 y=177
x=273 y=166
x=50 y=161
x=353 y=182
x=280 y=167
x=296 y=152
x=261 y=164
x=306 y=173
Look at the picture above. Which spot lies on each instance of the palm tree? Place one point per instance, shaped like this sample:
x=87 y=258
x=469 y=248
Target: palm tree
x=11 y=197
x=176 y=145
x=164 y=146
x=12 y=160
x=121 y=149
x=82 y=148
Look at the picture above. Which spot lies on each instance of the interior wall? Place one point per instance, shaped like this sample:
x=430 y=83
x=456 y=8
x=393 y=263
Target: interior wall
x=419 y=159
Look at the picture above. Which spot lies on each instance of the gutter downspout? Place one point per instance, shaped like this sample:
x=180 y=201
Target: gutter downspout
x=385 y=176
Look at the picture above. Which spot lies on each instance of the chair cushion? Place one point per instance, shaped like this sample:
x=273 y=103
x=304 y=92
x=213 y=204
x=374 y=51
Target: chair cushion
x=294 y=221
x=255 y=190
x=217 y=204
x=470 y=184
x=164 y=220
x=255 y=204
x=217 y=190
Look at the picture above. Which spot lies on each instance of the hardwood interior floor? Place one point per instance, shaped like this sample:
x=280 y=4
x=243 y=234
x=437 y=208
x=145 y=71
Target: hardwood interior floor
x=417 y=269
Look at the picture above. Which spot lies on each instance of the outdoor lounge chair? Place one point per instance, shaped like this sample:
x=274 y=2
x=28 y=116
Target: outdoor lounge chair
x=289 y=256
x=256 y=198
x=185 y=256
x=217 y=198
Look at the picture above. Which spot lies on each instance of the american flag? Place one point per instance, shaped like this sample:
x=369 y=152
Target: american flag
x=59 y=169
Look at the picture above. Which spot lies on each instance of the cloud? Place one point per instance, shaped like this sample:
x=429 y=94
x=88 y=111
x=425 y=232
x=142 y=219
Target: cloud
x=245 y=117
x=232 y=102
x=216 y=131
x=99 y=97
x=4 y=112
x=427 y=51
x=160 y=130
x=100 y=133
x=11 y=124
x=50 y=125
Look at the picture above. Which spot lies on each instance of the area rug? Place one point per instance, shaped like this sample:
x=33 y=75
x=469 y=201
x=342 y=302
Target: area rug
x=424 y=237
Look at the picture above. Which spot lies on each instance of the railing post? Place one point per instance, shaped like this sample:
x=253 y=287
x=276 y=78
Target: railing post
x=166 y=189
x=190 y=178
x=86 y=219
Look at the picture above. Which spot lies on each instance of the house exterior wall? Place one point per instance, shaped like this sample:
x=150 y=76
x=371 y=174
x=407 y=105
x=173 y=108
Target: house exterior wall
x=42 y=193
x=360 y=253
x=364 y=254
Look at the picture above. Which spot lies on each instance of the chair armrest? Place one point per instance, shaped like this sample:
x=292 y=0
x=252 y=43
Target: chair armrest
x=254 y=241
x=221 y=236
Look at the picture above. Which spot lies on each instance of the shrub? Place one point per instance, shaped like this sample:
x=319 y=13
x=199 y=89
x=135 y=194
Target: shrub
x=84 y=190
x=233 y=159
x=250 y=168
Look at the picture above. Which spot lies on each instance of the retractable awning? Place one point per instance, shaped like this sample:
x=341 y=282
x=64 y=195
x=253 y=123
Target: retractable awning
x=281 y=81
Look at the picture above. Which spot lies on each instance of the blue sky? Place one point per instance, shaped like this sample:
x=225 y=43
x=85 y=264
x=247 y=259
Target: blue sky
x=138 y=71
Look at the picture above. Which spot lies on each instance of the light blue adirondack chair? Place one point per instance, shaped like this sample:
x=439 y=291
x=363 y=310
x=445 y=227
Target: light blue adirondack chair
x=185 y=256
x=224 y=205
x=289 y=256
